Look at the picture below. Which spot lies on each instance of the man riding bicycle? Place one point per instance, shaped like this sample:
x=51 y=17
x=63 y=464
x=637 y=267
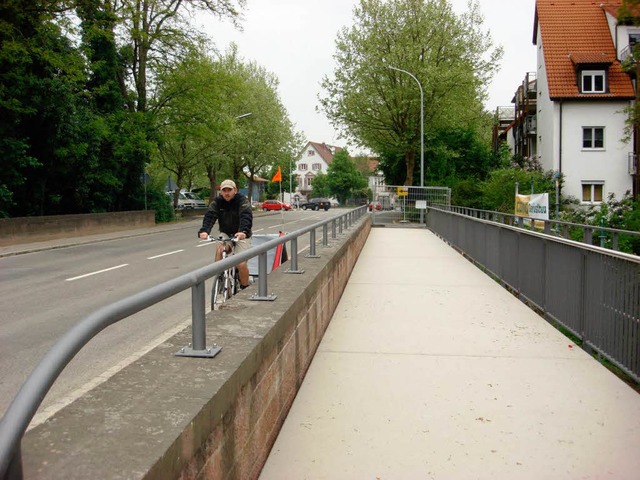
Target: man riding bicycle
x=233 y=212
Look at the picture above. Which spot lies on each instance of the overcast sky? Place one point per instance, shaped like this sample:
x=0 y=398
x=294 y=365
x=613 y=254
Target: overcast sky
x=295 y=40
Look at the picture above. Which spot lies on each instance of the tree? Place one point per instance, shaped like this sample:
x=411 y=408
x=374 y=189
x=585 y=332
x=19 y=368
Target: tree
x=157 y=33
x=450 y=56
x=320 y=186
x=342 y=177
x=498 y=190
x=193 y=96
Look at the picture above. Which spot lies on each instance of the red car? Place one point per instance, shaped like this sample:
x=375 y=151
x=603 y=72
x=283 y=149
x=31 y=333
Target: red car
x=375 y=206
x=275 y=205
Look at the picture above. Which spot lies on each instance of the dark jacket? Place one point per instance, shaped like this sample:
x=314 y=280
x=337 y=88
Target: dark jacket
x=234 y=216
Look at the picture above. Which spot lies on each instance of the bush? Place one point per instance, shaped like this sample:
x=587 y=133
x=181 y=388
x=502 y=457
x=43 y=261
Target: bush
x=621 y=214
x=160 y=202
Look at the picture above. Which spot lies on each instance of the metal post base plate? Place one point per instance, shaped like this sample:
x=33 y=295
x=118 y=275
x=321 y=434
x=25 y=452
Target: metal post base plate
x=208 y=352
x=268 y=298
x=293 y=271
x=312 y=256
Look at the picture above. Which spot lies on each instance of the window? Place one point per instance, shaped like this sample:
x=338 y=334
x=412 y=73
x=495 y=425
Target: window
x=310 y=153
x=316 y=166
x=302 y=166
x=593 y=81
x=592 y=137
x=634 y=38
x=592 y=191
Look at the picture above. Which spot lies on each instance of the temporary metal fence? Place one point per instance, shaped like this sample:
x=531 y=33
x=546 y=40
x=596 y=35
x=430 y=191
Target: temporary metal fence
x=25 y=404
x=592 y=292
x=396 y=204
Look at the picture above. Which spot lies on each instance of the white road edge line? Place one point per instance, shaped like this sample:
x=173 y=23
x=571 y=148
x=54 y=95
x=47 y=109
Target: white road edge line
x=164 y=254
x=95 y=273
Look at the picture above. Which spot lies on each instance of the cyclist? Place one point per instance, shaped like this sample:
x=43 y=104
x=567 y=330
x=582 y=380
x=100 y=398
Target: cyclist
x=233 y=212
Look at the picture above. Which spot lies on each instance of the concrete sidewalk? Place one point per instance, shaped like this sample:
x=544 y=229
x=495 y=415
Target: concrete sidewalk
x=430 y=369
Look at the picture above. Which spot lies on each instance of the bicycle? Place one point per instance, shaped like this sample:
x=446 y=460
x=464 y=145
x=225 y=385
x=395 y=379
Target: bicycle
x=227 y=284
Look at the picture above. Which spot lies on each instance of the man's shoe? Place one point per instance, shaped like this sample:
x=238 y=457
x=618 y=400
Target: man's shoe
x=242 y=287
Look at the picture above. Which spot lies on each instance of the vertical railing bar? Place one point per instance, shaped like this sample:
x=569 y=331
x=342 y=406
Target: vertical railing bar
x=199 y=328
x=262 y=274
x=294 y=254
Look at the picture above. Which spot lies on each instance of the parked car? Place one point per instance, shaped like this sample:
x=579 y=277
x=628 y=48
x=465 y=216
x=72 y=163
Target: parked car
x=316 y=204
x=334 y=202
x=275 y=205
x=198 y=202
x=184 y=203
x=375 y=206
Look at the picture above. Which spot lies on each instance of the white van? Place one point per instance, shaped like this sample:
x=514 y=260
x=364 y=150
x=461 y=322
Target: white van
x=184 y=203
x=198 y=202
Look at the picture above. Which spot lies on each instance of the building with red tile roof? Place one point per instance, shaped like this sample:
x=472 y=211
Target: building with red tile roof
x=315 y=158
x=583 y=92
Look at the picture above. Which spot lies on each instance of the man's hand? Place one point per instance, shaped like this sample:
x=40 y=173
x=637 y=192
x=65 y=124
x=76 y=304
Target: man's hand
x=203 y=235
x=240 y=235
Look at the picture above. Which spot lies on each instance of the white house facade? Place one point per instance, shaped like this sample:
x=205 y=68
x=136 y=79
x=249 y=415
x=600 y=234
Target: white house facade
x=315 y=158
x=582 y=94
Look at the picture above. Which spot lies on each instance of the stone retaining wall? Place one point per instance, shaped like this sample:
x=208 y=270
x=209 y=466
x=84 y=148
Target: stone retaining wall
x=18 y=230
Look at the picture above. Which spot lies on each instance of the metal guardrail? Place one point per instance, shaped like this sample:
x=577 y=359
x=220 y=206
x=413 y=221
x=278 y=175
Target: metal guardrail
x=592 y=292
x=28 y=399
x=605 y=237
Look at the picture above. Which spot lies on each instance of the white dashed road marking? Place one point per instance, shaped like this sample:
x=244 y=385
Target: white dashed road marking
x=96 y=273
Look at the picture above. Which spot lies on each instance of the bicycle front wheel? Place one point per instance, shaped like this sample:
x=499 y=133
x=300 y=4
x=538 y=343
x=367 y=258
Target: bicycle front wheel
x=218 y=292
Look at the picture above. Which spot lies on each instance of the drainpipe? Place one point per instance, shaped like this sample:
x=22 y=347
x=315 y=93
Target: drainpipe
x=560 y=142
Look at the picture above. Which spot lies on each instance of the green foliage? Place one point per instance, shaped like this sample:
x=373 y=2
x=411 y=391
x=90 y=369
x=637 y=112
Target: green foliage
x=623 y=214
x=160 y=202
x=320 y=186
x=343 y=177
x=68 y=143
x=450 y=58
x=457 y=153
x=70 y=138
x=467 y=193
x=498 y=190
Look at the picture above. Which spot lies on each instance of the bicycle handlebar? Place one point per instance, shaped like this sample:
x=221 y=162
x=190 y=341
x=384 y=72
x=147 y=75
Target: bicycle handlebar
x=222 y=238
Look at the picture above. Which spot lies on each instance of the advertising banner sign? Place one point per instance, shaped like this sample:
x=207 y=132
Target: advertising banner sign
x=533 y=206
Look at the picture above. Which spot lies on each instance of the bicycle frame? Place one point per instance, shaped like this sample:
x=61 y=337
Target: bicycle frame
x=227 y=284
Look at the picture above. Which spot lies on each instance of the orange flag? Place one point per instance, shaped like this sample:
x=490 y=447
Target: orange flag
x=278 y=176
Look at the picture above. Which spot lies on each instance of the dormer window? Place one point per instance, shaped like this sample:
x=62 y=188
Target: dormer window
x=593 y=81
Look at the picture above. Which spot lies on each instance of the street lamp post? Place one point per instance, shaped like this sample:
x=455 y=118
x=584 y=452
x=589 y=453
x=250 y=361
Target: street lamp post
x=421 y=122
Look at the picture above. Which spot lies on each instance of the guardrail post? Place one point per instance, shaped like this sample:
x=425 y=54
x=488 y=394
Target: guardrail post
x=312 y=245
x=325 y=235
x=198 y=346
x=262 y=281
x=333 y=229
x=294 y=257
x=588 y=236
x=340 y=225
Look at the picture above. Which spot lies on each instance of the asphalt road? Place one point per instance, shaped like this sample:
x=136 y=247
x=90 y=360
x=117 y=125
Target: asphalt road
x=43 y=294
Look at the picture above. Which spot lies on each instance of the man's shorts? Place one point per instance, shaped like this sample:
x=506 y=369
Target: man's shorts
x=243 y=245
